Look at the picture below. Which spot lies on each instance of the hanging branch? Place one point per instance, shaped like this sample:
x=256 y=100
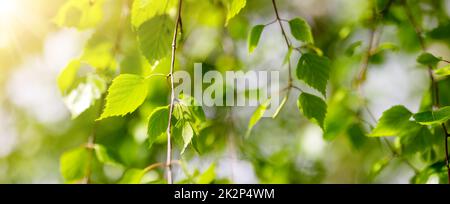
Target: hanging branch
x=374 y=34
x=434 y=84
x=172 y=95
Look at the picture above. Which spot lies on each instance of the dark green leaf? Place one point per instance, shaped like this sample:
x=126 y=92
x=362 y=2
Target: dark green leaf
x=313 y=108
x=433 y=117
x=314 y=70
x=253 y=38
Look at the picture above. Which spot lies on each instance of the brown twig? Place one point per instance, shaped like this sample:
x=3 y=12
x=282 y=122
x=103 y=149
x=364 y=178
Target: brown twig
x=172 y=95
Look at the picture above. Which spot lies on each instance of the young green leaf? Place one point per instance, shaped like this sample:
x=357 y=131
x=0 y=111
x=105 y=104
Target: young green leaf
x=157 y=124
x=125 y=95
x=257 y=115
x=74 y=164
x=283 y=102
x=393 y=122
x=428 y=59
x=208 y=175
x=234 y=7
x=313 y=108
x=67 y=77
x=144 y=10
x=253 y=38
x=132 y=176
x=314 y=70
x=301 y=30
x=443 y=72
x=433 y=117
x=187 y=134
x=155 y=37
x=81 y=14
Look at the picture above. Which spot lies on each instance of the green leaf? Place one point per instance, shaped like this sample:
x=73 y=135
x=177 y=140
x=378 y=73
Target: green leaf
x=144 y=10
x=416 y=138
x=314 y=70
x=125 y=95
x=207 y=176
x=393 y=122
x=313 y=108
x=433 y=117
x=155 y=37
x=234 y=7
x=105 y=156
x=157 y=124
x=357 y=135
x=428 y=59
x=443 y=72
x=187 y=134
x=81 y=14
x=187 y=110
x=74 y=164
x=257 y=115
x=84 y=95
x=132 y=176
x=66 y=78
x=253 y=38
x=301 y=30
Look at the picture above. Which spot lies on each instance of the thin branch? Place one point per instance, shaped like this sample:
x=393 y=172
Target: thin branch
x=283 y=32
x=434 y=83
x=374 y=36
x=172 y=95
x=446 y=61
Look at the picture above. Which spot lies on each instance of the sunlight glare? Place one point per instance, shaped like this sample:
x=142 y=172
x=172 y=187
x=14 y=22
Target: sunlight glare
x=9 y=10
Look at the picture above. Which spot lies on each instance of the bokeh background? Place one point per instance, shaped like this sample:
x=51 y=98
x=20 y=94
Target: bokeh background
x=36 y=128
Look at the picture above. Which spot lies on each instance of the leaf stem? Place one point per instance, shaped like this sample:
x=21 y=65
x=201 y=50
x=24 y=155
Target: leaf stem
x=288 y=43
x=172 y=95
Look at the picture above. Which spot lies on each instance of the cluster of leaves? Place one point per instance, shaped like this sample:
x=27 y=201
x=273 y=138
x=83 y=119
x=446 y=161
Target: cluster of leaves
x=312 y=68
x=123 y=74
x=86 y=79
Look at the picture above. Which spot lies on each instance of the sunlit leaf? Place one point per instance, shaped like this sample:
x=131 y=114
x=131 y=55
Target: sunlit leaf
x=234 y=7
x=74 y=164
x=67 y=77
x=352 y=48
x=187 y=134
x=132 y=176
x=393 y=122
x=313 y=108
x=144 y=10
x=208 y=175
x=314 y=70
x=155 y=37
x=257 y=115
x=81 y=14
x=444 y=71
x=125 y=95
x=283 y=102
